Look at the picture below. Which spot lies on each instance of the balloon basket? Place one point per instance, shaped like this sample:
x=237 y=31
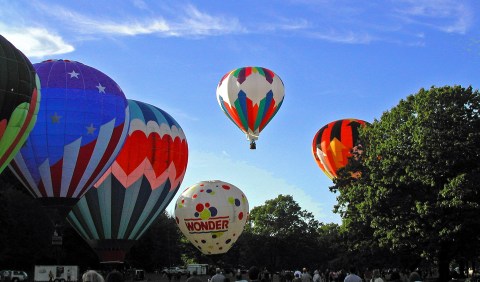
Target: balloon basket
x=253 y=146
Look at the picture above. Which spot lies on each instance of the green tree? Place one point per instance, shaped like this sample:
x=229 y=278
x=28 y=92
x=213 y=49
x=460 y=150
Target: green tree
x=27 y=230
x=159 y=247
x=332 y=246
x=287 y=234
x=419 y=168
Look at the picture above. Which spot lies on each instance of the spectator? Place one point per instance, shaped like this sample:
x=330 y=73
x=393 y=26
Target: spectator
x=115 y=276
x=194 y=279
x=352 y=277
x=297 y=276
x=414 y=276
x=218 y=277
x=253 y=274
x=92 y=276
x=306 y=277
x=316 y=276
x=376 y=277
x=367 y=275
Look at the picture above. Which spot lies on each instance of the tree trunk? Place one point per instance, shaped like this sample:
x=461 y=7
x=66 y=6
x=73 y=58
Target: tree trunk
x=443 y=265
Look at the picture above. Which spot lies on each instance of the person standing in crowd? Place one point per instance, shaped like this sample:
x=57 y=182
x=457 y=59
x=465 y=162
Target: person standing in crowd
x=297 y=276
x=254 y=274
x=367 y=275
x=194 y=279
x=92 y=276
x=239 y=277
x=316 y=276
x=376 y=277
x=218 y=277
x=265 y=275
x=352 y=277
x=115 y=276
x=415 y=277
x=289 y=276
x=306 y=277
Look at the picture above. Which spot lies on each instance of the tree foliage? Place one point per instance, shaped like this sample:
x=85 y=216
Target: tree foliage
x=419 y=169
x=287 y=232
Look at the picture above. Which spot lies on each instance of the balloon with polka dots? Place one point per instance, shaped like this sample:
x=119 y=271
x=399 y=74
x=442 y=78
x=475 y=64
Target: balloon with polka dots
x=212 y=215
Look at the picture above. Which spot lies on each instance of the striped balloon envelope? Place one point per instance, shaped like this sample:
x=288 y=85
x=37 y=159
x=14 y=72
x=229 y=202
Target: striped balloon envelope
x=19 y=100
x=138 y=186
x=79 y=131
x=333 y=143
x=250 y=97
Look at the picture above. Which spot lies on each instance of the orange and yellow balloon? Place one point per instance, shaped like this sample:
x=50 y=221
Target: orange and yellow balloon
x=333 y=143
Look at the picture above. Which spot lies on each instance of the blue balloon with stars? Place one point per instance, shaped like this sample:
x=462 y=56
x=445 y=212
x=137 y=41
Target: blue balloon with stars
x=79 y=131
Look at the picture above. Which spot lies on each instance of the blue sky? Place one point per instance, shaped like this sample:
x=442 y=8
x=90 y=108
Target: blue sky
x=337 y=58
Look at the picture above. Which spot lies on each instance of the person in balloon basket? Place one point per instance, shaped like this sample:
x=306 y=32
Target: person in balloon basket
x=218 y=277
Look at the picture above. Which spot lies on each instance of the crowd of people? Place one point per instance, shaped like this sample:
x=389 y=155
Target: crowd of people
x=255 y=274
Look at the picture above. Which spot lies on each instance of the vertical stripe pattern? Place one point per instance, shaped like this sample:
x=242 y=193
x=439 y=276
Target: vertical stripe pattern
x=141 y=182
x=19 y=100
x=333 y=143
x=80 y=129
x=250 y=97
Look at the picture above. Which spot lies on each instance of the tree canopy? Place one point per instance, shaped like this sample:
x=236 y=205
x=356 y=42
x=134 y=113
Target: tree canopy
x=419 y=166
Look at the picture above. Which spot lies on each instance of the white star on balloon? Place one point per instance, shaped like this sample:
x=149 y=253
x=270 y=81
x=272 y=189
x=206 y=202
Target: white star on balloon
x=55 y=118
x=73 y=74
x=90 y=129
x=101 y=89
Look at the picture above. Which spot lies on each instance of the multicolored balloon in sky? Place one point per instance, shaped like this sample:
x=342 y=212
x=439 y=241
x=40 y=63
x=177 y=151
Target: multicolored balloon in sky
x=212 y=215
x=19 y=100
x=79 y=132
x=333 y=144
x=250 y=97
x=138 y=186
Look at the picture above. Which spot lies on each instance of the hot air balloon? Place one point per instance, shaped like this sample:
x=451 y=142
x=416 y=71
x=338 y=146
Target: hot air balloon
x=19 y=100
x=250 y=97
x=212 y=215
x=333 y=143
x=80 y=130
x=137 y=187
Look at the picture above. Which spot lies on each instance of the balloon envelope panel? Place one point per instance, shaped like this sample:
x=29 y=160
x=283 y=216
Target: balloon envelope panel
x=80 y=130
x=138 y=186
x=19 y=100
x=333 y=143
x=212 y=215
x=250 y=97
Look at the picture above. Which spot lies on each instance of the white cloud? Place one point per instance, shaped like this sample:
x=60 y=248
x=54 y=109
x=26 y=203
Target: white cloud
x=36 y=42
x=196 y=22
x=445 y=15
x=348 y=37
x=192 y=22
x=140 y=4
x=259 y=185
